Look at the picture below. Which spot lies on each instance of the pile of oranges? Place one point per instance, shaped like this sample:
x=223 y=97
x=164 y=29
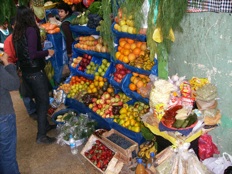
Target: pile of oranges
x=129 y=50
x=138 y=81
x=70 y=2
x=78 y=79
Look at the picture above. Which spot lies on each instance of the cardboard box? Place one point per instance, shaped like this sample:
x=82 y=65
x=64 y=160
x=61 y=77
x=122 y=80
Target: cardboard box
x=114 y=166
x=127 y=154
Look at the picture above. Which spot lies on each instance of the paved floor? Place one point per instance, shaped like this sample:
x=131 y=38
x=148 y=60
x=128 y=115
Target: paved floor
x=44 y=159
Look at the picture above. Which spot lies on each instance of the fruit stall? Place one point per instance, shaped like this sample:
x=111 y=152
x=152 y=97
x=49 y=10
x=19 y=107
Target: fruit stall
x=119 y=97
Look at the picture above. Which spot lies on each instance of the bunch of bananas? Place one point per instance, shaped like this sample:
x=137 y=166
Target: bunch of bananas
x=49 y=70
x=143 y=61
x=146 y=148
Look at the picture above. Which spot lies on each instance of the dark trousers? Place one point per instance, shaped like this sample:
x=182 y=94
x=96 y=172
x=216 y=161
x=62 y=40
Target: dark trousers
x=38 y=83
x=8 y=140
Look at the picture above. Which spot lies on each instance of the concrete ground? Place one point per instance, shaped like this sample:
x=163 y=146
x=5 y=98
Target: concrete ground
x=35 y=158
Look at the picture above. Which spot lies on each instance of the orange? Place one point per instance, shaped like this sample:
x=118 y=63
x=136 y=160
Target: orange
x=132 y=87
x=138 y=44
x=101 y=79
x=130 y=41
x=136 y=80
x=135 y=74
x=122 y=39
x=137 y=51
x=131 y=57
x=139 y=84
x=133 y=46
x=122 y=43
x=132 y=79
x=110 y=90
x=126 y=52
x=119 y=48
x=117 y=55
x=127 y=46
x=121 y=57
x=125 y=59
x=142 y=76
x=143 y=46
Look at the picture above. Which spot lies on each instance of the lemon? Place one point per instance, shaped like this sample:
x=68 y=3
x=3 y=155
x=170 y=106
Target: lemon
x=122 y=116
x=123 y=111
x=122 y=23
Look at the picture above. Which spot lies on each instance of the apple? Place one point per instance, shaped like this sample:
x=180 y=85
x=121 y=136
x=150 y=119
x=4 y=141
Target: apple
x=95 y=109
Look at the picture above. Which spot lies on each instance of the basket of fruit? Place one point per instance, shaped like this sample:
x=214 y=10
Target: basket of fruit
x=63 y=115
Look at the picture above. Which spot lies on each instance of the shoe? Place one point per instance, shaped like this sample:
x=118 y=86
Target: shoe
x=50 y=127
x=34 y=116
x=45 y=140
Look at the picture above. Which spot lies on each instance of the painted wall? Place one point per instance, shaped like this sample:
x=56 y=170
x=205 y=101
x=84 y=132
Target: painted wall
x=204 y=49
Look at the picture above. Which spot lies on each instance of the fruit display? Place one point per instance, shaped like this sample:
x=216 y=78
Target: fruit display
x=91 y=68
x=120 y=72
x=86 y=59
x=146 y=148
x=103 y=106
x=138 y=82
x=70 y=2
x=76 y=61
x=99 y=155
x=78 y=84
x=62 y=117
x=50 y=28
x=129 y=116
x=129 y=50
x=124 y=23
x=98 y=84
x=93 y=20
x=101 y=71
x=92 y=44
x=66 y=87
x=81 y=19
x=143 y=61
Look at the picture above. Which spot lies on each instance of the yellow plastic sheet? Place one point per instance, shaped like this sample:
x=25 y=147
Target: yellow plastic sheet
x=173 y=140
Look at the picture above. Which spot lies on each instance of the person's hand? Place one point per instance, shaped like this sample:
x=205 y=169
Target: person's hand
x=51 y=52
x=4 y=58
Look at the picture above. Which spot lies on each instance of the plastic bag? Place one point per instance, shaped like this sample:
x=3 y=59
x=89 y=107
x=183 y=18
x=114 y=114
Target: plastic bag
x=206 y=147
x=218 y=165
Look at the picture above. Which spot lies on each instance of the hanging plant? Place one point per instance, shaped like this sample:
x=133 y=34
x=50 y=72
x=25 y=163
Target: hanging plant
x=130 y=8
x=105 y=29
x=7 y=10
x=164 y=17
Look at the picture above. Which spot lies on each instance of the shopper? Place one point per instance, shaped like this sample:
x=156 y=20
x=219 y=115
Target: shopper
x=9 y=81
x=9 y=49
x=31 y=61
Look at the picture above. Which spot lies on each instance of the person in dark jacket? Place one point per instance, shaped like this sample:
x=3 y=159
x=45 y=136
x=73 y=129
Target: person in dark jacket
x=9 y=49
x=65 y=14
x=9 y=81
x=31 y=61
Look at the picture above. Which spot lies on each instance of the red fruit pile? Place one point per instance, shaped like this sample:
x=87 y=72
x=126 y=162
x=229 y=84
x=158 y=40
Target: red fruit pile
x=120 y=72
x=99 y=155
x=84 y=62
